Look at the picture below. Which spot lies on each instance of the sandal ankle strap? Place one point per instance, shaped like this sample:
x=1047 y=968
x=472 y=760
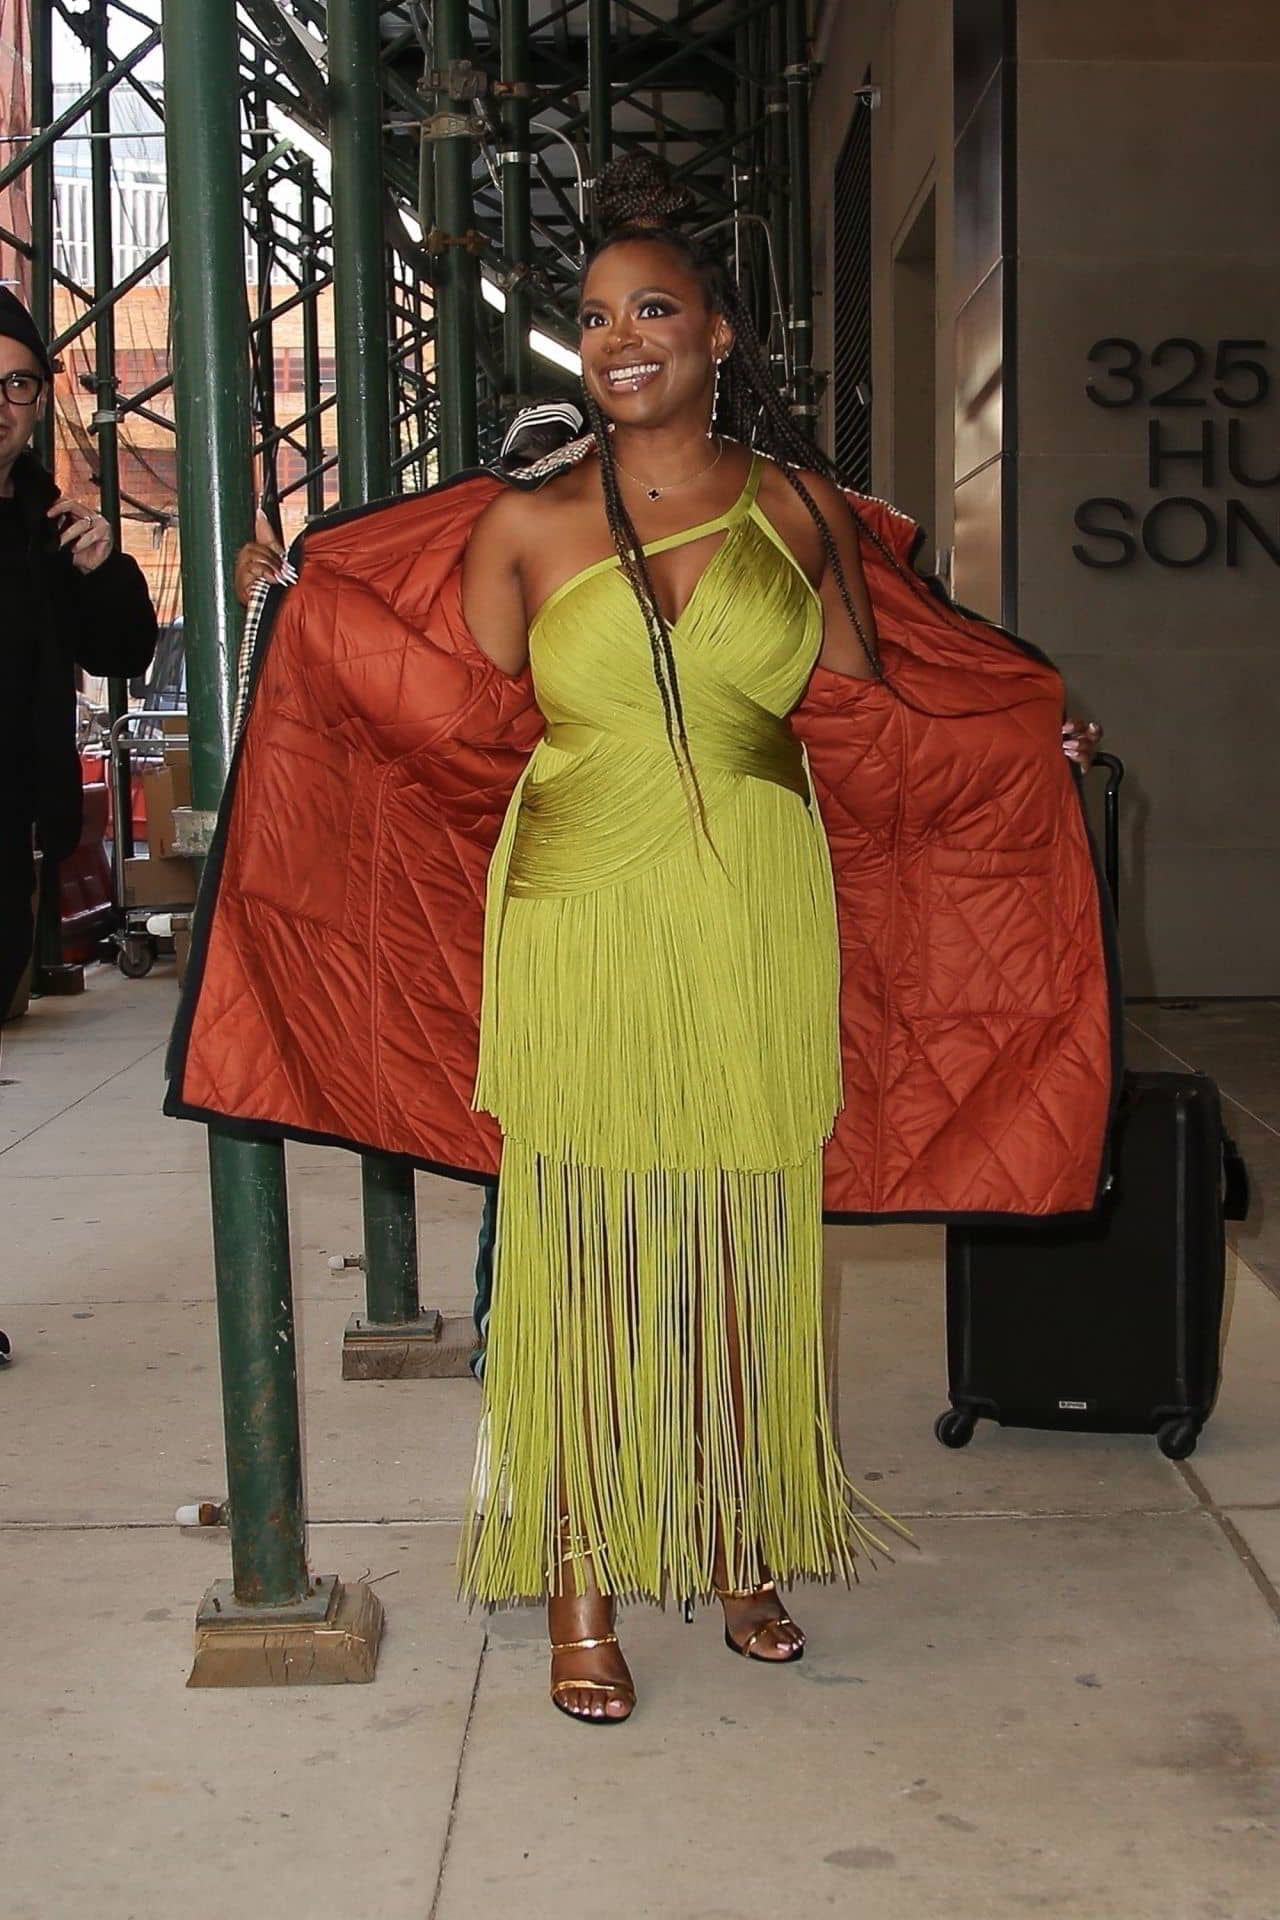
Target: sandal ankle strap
x=745 y=1593
x=584 y=1646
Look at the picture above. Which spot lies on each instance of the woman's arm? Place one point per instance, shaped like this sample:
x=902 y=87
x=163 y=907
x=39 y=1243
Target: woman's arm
x=492 y=591
x=842 y=648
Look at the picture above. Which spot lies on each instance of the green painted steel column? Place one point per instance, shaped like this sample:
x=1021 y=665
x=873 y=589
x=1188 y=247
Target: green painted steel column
x=359 y=255
x=264 y=337
x=457 y=278
x=48 y=930
x=799 y=80
x=779 y=199
x=362 y=355
x=105 y=420
x=599 y=102
x=211 y=393
x=309 y=264
x=106 y=425
x=517 y=161
x=41 y=191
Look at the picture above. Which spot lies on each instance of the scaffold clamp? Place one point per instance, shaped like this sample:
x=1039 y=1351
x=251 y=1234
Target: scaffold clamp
x=438 y=241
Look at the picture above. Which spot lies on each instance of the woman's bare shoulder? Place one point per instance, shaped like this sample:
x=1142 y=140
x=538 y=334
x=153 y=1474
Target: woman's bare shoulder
x=518 y=512
x=825 y=493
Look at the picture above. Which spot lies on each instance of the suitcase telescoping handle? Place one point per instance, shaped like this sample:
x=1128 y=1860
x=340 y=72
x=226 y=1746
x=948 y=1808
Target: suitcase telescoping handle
x=1111 y=825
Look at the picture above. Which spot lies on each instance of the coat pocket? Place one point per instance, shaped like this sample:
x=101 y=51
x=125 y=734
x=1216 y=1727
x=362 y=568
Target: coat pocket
x=990 y=933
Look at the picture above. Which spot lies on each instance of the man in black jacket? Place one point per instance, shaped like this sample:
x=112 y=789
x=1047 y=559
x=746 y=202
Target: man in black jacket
x=69 y=600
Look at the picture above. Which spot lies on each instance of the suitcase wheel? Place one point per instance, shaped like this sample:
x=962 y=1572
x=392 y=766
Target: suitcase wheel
x=954 y=1428
x=1176 y=1439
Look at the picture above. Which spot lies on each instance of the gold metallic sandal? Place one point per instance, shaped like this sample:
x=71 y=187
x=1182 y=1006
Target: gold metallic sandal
x=618 y=1688
x=784 y=1619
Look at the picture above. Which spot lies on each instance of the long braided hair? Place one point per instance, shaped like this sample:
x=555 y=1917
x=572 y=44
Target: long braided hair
x=637 y=199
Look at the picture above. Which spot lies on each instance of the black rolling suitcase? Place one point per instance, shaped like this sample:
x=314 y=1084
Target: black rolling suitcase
x=1113 y=1324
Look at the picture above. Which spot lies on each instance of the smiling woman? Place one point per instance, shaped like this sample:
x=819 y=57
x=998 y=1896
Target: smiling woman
x=655 y=1024
x=660 y=1038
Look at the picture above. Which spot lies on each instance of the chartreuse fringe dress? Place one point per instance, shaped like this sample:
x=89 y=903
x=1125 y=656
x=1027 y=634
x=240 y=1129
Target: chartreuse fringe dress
x=660 y=1047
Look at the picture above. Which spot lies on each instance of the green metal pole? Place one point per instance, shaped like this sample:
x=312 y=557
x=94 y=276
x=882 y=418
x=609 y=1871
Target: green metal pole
x=211 y=393
x=105 y=418
x=359 y=258
x=42 y=202
x=457 y=283
x=779 y=201
x=48 y=930
x=364 y=473
x=265 y=339
x=599 y=114
x=105 y=413
x=311 y=396
x=799 y=80
x=517 y=161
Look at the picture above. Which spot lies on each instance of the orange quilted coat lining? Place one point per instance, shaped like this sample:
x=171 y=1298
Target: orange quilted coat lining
x=335 y=980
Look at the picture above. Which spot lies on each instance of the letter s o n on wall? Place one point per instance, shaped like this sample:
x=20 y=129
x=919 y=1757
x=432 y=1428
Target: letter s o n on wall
x=1089 y=521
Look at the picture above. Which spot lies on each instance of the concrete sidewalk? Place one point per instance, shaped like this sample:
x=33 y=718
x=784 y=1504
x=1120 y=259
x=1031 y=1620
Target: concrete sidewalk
x=1066 y=1701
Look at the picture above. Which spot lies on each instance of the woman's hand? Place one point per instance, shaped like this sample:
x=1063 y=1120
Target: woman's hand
x=86 y=534
x=259 y=561
x=1080 y=743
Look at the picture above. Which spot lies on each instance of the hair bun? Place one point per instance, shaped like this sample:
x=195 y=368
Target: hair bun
x=636 y=193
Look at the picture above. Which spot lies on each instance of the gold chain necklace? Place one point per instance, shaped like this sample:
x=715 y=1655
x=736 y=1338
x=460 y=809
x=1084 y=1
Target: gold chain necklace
x=669 y=486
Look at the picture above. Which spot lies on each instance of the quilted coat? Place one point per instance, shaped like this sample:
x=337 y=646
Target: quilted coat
x=334 y=986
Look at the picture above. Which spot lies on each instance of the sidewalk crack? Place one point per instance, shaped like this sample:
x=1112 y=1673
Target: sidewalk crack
x=438 y=1893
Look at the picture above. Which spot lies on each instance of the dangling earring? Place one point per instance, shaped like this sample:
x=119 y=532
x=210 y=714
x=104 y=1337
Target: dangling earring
x=715 y=404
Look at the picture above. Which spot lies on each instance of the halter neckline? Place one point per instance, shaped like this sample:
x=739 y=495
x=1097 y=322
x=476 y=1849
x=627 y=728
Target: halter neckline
x=720 y=522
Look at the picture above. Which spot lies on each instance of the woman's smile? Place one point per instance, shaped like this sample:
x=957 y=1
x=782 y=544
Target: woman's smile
x=632 y=377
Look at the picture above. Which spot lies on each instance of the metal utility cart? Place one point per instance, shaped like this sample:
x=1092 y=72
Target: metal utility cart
x=136 y=743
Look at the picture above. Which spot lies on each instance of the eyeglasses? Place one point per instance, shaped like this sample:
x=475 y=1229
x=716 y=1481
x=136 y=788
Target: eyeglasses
x=21 y=389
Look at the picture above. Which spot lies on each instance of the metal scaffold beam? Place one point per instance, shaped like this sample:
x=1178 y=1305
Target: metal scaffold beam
x=375 y=1346
x=458 y=272
x=799 y=75
x=517 y=159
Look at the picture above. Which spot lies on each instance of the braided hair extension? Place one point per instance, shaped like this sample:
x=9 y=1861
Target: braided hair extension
x=635 y=567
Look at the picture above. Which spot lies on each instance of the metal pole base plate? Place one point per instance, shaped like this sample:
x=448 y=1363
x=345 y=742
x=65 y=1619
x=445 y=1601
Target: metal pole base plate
x=428 y=1348
x=59 y=981
x=330 y=1638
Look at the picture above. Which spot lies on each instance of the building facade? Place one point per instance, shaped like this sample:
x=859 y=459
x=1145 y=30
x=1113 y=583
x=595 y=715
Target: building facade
x=1062 y=311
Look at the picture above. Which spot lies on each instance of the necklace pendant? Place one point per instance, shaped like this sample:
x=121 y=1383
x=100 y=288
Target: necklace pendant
x=654 y=493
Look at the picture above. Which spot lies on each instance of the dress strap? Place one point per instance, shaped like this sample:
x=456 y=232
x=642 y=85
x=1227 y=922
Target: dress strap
x=740 y=509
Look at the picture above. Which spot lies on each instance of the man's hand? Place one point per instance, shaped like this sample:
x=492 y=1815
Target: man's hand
x=86 y=534
x=1080 y=743
x=259 y=561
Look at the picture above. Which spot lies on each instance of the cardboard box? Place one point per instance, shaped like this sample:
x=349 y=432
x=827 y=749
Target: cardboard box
x=178 y=761
x=160 y=881
x=159 y=792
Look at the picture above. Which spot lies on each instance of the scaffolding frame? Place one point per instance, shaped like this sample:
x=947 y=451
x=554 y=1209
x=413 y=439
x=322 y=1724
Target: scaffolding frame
x=461 y=140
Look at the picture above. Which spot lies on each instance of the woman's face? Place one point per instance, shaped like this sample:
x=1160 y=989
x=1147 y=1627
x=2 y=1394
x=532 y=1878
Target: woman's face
x=649 y=340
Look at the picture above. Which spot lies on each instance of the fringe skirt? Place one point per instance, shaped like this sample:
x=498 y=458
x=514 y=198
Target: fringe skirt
x=662 y=1054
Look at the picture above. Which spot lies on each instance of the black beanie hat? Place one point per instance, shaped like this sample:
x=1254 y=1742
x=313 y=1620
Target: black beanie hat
x=16 y=324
